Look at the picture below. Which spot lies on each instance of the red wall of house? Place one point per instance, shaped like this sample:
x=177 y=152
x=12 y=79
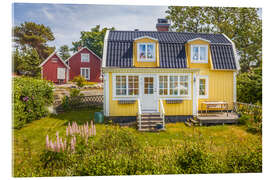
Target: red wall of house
x=49 y=69
x=75 y=65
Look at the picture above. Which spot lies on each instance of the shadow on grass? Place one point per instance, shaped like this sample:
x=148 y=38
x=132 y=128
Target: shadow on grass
x=80 y=116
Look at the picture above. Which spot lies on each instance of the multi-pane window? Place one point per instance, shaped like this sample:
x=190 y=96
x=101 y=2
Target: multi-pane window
x=203 y=87
x=146 y=52
x=85 y=57
x=148 y=85
x=126 y=85
x=121 y=85
x=199 y=53
x=174 y=85
x=85 y=72
x=163 y=85
x=133 y=85
x=184 y=85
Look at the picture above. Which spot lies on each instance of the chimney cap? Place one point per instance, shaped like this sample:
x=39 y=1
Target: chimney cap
x=136 y=29
x=163 y=21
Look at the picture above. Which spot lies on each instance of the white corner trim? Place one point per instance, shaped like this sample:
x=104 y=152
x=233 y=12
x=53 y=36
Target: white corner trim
x=206 y=86
x=142 y=37
x=104 y=56
x=202 y=39
x=234 y=87
x=50 y=58
x=195 y=95
x=106 y=91
x=234 y=50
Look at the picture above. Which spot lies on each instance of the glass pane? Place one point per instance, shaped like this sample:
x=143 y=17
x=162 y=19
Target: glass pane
x=195 y=53
x=142 y=51
x=202 y=53
x=118 y=92
x=150 y=51
x=136 y=91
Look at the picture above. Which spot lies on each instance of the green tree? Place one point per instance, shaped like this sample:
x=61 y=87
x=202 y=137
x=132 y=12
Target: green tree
x=92 y=40
x=32 y=35
x=242 y=25
x=26 y=62
x=249 y=86
x=64 y=52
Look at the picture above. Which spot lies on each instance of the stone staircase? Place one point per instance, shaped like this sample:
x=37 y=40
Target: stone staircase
x=149 y=121
x=192 y=122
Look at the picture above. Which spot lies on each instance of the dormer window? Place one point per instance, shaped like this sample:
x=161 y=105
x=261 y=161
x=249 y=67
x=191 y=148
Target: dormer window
x=146 y=52
x=199 y=53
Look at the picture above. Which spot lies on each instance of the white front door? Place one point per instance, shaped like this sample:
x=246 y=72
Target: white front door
x=61 y=73
x=149 y=93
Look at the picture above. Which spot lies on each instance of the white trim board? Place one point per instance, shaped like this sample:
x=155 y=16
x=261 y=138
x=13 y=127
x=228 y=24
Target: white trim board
x=67 y=60
x=202 y=39
x=54 y=53
x=142 y=37
x=234 y=50
x=104 y=57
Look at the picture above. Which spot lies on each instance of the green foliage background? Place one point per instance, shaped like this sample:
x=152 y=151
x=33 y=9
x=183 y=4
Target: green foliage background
x=30 y=98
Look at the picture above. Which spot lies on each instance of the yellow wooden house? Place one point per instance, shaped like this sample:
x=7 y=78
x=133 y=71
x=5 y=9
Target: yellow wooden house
x=166 y=76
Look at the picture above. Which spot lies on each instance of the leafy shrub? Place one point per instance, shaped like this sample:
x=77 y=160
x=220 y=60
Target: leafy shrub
x=193 y=158
x=243 y=119
x=75 y=93
x=243 y=159
x=30 y=98
x=79 y=80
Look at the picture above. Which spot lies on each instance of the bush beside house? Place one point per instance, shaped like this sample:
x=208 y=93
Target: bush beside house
x=30 y=98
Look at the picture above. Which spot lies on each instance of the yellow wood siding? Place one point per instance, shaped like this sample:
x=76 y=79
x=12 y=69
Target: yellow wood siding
x=136 y=63
x=220 y=81
x=185 y=108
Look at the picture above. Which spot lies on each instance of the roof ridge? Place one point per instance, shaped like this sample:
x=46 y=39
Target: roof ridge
x=166 y=32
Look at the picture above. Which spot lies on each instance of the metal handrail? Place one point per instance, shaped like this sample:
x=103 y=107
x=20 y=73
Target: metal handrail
x=140 y=114
x=162 y=113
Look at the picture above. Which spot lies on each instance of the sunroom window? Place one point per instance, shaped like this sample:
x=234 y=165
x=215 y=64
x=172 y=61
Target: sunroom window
x=126 y=85
x=199 y=54
x=176 y=85
x=146 y=52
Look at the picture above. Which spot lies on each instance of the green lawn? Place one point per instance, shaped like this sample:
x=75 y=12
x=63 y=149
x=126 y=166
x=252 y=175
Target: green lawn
x=29 y=142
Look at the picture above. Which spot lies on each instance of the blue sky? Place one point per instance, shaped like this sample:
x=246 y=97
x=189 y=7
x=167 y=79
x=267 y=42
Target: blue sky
x=68 y=20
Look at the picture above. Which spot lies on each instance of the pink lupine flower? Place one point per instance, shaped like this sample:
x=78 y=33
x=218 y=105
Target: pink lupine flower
x=47 y=142
x=67 y=131
x=65 y=143
x=94 y=130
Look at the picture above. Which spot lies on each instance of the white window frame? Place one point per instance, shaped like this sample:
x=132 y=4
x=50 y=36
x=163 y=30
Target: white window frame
x=146 y=60
x=54 y=60
x=88 y=72
x=85 y=54
x=199 y=60
x=117 y=97
x=205 y=77
x=178 y=96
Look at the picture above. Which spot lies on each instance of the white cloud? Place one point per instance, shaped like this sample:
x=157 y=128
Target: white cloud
x=67 y=21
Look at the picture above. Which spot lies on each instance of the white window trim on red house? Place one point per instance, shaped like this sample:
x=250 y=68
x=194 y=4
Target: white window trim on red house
x=83 y=75
x=85 y=57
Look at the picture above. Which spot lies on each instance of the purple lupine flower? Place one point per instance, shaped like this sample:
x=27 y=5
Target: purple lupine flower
x=25 y=98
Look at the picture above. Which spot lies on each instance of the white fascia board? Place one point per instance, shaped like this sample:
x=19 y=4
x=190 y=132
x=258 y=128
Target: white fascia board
x=198 y=39
x=105 y=48
x=80 y=51
x=57 y=56
x=234 y=50
x=142 y=37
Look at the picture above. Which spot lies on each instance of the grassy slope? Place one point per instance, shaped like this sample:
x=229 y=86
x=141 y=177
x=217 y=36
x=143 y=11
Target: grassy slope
x=31 y=138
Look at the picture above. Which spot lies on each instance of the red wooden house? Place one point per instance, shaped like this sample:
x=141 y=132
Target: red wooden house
x=55 y=69
x=85 y=63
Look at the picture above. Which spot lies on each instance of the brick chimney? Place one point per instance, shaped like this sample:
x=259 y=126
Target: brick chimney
x=162 y=25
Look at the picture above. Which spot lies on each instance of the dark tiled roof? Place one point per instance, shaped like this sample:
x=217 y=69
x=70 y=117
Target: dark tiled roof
x=171 y=48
